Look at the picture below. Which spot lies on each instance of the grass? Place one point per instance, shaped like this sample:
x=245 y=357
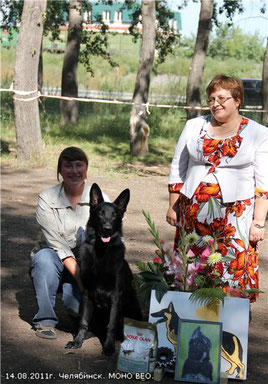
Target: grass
x=103 y=129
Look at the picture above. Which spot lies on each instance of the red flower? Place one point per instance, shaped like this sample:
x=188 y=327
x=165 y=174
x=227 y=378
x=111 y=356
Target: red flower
x=203 y=229
x=229 y=231
x=157 y=260
x=205 y=192
x=218 y=269
x=196 y=250
x=200 y=268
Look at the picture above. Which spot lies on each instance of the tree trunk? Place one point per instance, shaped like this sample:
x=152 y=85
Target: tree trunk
x=40 y=69
x=193 y=94
x=265 y=87
x=27 y=123
x=69 y=83
x=139 y=129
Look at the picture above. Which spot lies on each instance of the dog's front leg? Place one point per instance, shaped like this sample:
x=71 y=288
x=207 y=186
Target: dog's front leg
x=109 y=344
x=86 y=315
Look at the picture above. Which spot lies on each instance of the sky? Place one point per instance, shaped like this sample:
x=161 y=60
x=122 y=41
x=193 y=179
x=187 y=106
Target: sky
x=250 y=21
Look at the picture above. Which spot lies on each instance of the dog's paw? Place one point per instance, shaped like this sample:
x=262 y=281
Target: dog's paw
x=109 y=348
x=73 y=345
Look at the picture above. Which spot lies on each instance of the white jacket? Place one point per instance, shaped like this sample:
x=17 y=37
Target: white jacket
x=237 y=176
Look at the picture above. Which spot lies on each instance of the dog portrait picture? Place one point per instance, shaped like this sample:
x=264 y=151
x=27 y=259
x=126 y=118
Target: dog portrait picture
x=176 y=306
x=198 y=351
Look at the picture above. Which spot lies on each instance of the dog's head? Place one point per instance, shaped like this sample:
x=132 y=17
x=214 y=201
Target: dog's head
x=199 y=345
x=167 y=314
x=106 y=218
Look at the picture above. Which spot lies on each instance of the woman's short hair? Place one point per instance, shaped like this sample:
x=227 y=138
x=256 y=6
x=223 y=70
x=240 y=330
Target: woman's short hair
x=71 y=154
x=233 y=84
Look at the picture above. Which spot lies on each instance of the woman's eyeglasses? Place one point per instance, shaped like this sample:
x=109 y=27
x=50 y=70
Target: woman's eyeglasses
x=220 y=99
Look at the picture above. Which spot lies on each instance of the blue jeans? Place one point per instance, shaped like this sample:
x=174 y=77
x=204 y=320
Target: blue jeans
x=46 y=271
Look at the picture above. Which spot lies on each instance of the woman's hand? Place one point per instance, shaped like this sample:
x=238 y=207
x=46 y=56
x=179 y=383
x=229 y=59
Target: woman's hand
x=71 y=265
x=171 y=215
x=256 y=233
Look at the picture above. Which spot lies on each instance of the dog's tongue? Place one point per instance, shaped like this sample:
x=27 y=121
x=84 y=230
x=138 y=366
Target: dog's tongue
x=106 y=239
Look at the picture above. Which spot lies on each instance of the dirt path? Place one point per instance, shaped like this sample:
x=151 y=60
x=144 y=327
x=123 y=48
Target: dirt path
x=32 y=359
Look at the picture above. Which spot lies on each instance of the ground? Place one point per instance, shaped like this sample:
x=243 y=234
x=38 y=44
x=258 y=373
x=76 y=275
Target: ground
x=32 y=359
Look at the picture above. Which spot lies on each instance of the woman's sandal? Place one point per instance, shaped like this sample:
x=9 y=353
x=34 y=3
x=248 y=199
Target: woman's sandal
x=46 y=333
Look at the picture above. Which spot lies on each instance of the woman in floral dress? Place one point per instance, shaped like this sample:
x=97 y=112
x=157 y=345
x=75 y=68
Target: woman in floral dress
x=218 y=182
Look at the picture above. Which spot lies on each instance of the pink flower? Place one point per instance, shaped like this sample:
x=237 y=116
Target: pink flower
x=166 y=246
x=190 y=283
x=191 y=269
x=205 y=254
x=190 y=253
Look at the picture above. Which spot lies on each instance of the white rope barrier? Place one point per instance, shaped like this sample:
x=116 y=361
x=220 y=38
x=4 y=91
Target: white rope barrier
x=115 y=101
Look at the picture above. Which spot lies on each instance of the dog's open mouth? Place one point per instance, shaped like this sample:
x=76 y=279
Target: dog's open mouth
x=105 y=239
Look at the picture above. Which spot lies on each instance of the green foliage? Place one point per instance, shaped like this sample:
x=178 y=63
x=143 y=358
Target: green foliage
x=10 y=12
x=232 y=43
x=152 y=229
x=165 y=37
x=95 y=44
x=227 y=43
x=210 y=297
x=148 y=280
x=247 y=292
x=230 y=7
x=56 y=15
x=186 y=46
x=102 y=131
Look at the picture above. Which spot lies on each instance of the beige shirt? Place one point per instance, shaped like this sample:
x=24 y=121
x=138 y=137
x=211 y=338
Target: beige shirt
x=62 y=226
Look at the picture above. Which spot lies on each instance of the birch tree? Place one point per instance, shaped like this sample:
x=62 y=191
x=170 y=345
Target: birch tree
x=69 y=83
x=193 y=93
x=27 y=123
x=139 y=129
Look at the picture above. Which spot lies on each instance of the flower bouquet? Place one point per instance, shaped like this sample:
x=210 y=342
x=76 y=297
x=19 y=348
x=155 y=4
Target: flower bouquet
x=195 y=266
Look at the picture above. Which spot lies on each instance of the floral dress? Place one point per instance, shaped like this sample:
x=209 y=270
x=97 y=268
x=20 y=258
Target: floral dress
x=206 y=214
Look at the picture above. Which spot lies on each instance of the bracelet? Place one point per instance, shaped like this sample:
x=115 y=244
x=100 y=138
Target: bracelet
x=259 y=226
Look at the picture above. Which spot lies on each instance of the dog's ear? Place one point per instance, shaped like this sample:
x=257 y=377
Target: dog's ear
x=95 y=195
x=122 y=201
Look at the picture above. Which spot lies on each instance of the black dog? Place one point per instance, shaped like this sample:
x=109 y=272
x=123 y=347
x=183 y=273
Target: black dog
x=198 y=364
x=106 y=276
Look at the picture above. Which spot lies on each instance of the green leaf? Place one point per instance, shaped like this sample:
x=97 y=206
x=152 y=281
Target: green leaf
x=206 y=296
x=143 y=266
x=227 y=258
x=150 y=276
x=249 y=291
x=210 y=208
x=152 y=229
x=159 y=293
x=154 y=268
